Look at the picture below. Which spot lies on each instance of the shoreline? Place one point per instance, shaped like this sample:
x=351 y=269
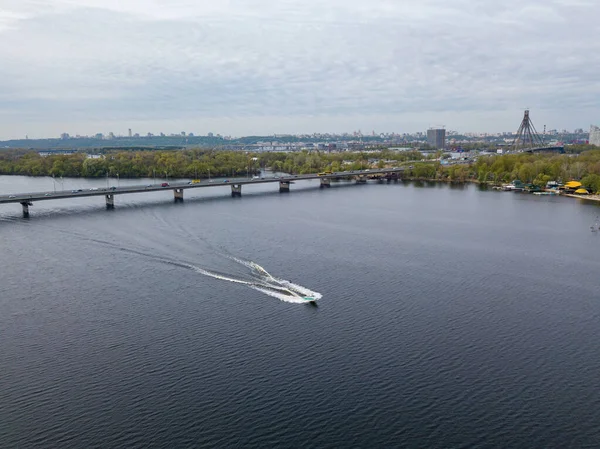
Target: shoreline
x=583 y=197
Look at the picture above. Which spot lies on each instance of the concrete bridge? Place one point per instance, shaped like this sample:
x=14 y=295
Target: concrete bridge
x=360 y=176
x=548 y=149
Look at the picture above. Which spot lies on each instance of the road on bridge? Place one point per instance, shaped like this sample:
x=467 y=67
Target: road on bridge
x=52 y=195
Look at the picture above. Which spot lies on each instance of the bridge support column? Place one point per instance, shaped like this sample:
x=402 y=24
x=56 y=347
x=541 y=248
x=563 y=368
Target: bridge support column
x=236 y=190
x=110 y=201
x=26 y=205
x=325 y=182
x=178 y=195
x=284 y=186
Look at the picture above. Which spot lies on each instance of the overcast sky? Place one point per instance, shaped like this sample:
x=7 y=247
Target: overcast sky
x=240 y=67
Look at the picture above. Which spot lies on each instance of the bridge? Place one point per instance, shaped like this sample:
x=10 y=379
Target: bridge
x=546 y=149
x=109 y=193
x=527 y=139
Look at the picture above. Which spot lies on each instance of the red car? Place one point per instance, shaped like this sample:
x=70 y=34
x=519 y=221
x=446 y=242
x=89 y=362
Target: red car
x=165 y=184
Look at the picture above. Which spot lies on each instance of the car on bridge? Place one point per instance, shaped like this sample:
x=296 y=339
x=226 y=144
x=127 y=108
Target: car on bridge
x=165 y=184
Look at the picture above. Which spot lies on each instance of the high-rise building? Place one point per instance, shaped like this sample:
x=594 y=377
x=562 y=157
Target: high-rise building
x=594 y=135
x=129 y=132
x=436 y=137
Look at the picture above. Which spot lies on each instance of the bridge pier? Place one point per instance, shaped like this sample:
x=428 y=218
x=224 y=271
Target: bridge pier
x=360 y=179
x=26 y=205
x=325 y=182
x=236 y=190
x=178 y=195
x=284 y=186
x=110 y=201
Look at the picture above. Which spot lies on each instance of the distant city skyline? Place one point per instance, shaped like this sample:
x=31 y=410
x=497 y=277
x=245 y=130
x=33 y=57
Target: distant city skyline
x=295 y=67
x=425 y=135
x=124 y=129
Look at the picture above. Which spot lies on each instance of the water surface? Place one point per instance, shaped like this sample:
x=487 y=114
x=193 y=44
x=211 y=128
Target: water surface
x=449 y=317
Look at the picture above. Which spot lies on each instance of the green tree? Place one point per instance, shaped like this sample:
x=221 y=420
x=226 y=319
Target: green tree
x=591 y=183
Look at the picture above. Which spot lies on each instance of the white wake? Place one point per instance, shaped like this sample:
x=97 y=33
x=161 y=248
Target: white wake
x=266 y=283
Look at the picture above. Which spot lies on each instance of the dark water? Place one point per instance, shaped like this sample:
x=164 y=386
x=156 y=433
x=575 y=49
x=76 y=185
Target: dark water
x=450 y=317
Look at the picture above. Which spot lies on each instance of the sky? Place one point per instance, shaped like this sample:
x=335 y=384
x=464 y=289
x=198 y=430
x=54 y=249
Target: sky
x=259 y=67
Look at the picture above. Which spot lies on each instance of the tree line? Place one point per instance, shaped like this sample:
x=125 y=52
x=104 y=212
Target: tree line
x=187 y=163
x=537 y=169
x=130 y=164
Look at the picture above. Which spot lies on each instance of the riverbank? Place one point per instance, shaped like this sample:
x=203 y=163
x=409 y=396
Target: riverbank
x=446 y=180
x=590 y=197
x=583 y=197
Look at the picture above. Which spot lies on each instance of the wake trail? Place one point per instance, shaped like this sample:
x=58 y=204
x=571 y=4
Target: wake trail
x=218 y=276
x=265 y=282
x=280 y=296
x=260 y=272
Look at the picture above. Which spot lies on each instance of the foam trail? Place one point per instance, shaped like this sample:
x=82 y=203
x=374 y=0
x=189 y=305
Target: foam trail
x=281 y=282
x=263 y=289
x=299 y=289
x=281 y=296
x=265 y=283
x=219 y=276
x=252 y=265
x=257 y=269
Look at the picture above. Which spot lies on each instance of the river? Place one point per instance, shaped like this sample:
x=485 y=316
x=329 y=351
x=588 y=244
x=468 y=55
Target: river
x=448 y=317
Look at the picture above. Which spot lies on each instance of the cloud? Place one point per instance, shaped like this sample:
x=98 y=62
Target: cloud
x=333 y=63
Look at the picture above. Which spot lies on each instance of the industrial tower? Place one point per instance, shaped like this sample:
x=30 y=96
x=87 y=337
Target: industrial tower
x=527 y=137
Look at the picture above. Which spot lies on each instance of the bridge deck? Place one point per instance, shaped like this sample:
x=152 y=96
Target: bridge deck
x=52 y=195
x=559 y=149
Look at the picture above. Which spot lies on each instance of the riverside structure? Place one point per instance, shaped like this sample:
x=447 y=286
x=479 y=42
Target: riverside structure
x=360 y=176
